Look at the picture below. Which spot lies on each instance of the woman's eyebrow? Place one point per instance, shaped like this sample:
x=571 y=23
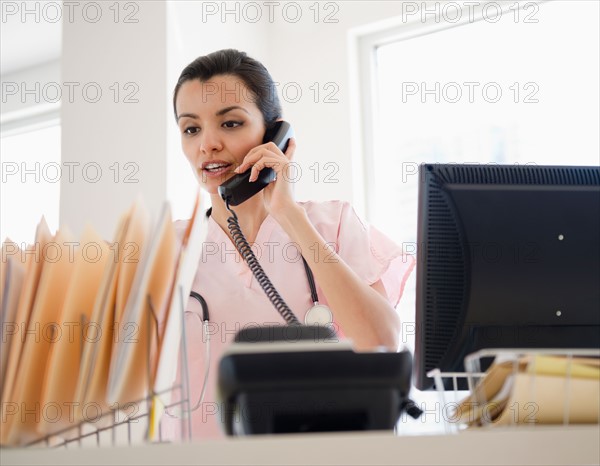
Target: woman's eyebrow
x=223 y=111
x=187 y=115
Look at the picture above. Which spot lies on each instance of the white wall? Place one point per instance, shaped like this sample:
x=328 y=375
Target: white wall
x=118 y=139
x=192 y=32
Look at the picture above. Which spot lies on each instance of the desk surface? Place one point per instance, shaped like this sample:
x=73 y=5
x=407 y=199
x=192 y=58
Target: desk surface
x=546 y=445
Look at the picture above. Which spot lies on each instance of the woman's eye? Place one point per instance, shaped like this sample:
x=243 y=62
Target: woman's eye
x=232 y=124
x=191 y=130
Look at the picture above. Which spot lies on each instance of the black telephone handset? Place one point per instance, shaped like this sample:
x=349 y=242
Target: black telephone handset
x=238 y=189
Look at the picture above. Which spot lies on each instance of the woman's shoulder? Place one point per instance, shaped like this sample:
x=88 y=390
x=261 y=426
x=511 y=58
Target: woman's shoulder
x=326 y=208
x=333 y=212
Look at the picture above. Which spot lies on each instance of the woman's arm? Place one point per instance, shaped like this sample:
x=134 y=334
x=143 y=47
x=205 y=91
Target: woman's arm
x=364 y=312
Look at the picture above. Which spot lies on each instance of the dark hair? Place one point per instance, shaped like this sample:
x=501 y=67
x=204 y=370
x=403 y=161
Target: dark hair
x=233 y=62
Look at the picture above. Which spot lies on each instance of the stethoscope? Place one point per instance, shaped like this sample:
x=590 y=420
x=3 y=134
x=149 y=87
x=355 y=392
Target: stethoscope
x=318 y=314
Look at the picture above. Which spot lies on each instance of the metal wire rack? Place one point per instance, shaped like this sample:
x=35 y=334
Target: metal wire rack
x=538 y=394
x=114 y=428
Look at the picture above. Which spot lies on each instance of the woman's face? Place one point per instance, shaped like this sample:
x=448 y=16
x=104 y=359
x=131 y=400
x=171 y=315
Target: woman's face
x=219 y=124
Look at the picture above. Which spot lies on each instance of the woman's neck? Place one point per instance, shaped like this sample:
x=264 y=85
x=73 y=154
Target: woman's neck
x=250 y=214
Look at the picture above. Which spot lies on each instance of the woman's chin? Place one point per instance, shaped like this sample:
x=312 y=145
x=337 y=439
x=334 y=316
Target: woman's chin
x=212 y=190
x=209 y=186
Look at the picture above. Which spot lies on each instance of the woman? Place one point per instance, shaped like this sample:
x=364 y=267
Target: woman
x=223 y=104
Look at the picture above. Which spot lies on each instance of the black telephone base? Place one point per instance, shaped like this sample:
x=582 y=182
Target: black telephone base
x=295 y=384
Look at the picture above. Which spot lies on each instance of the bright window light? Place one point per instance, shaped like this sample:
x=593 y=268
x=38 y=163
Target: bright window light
x=30 y=189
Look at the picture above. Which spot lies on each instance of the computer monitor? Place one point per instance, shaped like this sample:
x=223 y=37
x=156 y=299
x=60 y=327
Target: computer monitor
x=508 y=257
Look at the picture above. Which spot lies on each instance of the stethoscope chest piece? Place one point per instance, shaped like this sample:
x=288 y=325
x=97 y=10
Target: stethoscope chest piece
x=319 y=314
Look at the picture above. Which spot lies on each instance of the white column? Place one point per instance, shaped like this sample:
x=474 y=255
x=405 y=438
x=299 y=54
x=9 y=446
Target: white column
x=113 y=111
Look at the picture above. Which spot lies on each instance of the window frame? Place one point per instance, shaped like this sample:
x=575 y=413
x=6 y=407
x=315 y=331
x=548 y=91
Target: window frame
x=28 y=120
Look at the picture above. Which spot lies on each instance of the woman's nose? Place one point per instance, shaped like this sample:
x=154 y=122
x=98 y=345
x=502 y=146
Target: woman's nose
x=210 y=142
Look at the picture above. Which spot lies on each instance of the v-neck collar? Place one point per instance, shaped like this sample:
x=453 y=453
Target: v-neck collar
x=224 y=241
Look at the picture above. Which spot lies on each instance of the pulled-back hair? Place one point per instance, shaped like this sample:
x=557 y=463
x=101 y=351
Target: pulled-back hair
x=233 y=62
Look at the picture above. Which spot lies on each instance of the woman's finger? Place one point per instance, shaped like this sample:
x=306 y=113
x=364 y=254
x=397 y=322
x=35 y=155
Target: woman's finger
x=254 y=156
x=275 y=164
x=291 y=149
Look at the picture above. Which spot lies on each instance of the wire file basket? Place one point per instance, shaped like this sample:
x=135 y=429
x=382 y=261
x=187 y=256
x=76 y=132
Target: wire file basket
x=521 y=387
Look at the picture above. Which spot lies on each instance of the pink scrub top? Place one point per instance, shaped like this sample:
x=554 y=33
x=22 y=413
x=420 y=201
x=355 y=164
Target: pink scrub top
x=236 y=300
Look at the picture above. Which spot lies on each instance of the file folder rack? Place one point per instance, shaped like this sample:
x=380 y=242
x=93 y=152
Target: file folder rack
x=447 y=384
x=119 y=427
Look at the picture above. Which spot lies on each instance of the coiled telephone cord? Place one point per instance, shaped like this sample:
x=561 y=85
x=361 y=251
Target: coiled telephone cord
x=246 y=252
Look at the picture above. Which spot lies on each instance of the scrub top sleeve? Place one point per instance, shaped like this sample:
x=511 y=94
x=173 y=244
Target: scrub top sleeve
x=372 y=255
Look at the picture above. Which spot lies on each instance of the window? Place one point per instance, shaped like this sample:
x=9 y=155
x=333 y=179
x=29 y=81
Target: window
x=30 y=188
x=519 y=87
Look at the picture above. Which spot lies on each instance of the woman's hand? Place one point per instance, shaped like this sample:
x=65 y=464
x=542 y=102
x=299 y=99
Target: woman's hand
x=278 y=195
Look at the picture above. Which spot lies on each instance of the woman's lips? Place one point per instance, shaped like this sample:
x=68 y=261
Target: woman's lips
x=215 y=169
